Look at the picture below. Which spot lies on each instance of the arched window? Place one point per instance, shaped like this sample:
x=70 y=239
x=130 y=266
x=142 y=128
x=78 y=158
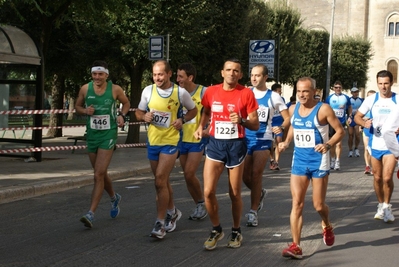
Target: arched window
x=393 y=68
x=393 y=25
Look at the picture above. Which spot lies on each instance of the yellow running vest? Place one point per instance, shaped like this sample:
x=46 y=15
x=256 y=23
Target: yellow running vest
x=191 y=126
x=165 y=109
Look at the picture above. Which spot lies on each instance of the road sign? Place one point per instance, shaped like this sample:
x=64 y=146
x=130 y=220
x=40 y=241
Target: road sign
x=262 y=52
x=155 y=49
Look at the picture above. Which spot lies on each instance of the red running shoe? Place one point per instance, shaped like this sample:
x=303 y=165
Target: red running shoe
x=397 y=174
x=367 y=170
x=328 y=235
x=293 y=251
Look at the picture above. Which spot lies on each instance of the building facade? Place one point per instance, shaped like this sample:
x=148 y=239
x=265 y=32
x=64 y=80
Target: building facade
x=376 y=20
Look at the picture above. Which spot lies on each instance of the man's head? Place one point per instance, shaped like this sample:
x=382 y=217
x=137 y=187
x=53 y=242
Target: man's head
x=99 y=72
x=277 y=88
x=306 y=89
x=231 y=72
x=161 y=74
x=355 y=92
x=259 y=75
x=186 y=74
x=338 y=87
x=384 y=82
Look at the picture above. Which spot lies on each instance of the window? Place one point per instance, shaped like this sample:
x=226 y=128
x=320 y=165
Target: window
x=390 y=29
x=393 y=68
x=393 y=25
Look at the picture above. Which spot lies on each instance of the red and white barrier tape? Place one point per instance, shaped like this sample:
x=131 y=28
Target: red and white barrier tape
x=57 y=148
x=52 y=127
x=41 y=111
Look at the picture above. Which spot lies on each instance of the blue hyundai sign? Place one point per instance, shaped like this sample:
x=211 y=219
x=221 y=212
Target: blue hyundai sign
x=262 y=52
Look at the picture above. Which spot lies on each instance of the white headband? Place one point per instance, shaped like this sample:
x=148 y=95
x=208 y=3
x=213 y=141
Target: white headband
x=99 y=68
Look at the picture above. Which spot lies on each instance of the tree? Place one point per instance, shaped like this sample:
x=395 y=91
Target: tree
x=349 y=61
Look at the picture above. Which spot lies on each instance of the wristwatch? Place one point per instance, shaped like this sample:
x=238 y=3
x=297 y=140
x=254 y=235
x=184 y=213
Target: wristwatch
x=328 y=146
x=243 y=121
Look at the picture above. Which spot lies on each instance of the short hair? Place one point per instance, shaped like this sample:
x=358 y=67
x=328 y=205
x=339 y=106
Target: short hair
x=265 y=70
x=234 y=60
x=276 y=86
x=168 y=68
x=385 y=73
x=338 y=83
x=311 y=80
x=100 y=63
x=189 y=69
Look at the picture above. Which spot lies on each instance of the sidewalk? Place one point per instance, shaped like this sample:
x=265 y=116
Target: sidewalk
x=62 y=170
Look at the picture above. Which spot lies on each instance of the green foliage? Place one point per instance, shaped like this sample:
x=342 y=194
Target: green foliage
x=313 y=52
x=350 y=58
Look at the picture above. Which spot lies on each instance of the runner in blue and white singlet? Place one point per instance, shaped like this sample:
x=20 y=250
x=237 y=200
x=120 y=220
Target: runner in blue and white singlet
x=381 y=106
x=307 y=134
x=310 y=122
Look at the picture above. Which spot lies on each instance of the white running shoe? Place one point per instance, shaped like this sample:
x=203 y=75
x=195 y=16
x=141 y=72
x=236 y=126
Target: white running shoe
x=332 y=163
x=388 y=216
x=380 y=212
x=199 y=212
x=252 y=219
x=337 y=165
x=350 y=154
x=357 y=154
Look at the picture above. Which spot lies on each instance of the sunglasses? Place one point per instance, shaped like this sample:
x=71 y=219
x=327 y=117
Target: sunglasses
x=337 y=87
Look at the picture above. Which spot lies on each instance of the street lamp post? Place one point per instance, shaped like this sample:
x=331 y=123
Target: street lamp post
x=329 y=53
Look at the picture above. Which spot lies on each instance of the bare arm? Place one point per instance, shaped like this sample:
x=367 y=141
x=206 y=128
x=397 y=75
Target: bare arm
x=206 y=114
x=327 y=114
x=80 y=102
x=120 y=95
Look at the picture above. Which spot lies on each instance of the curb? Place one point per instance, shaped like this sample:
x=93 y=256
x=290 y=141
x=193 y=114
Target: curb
x=16 y=193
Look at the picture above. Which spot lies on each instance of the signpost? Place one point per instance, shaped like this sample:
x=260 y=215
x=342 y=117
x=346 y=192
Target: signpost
x=155 y=49
x=262 y=52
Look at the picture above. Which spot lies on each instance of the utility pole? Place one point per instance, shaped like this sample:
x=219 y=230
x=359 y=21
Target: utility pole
x=327 y=88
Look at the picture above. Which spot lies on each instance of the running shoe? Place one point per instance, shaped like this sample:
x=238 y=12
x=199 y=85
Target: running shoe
x=158 y=231
x=170 y=221
x=328 y=235
x=199 y=212
x=337 y=165
x=350 y=154
x=357 y=154
x=271 y=164
x=367 y=170
x=87 y=220
x=252 y=219
x=235 y=240
x=263 y=194
x=274 y=166
x=332 y=163
x=388 y=216
x=115 y=206
x=293 y=251
x=213 y=239
x=380 y=212
x=397 y=174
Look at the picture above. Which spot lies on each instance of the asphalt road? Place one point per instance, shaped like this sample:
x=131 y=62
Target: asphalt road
x=45 y=230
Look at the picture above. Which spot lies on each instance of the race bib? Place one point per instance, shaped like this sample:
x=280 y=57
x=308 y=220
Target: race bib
x=304 y=138
x=263 y=113
x=225 y=130
x=339 y=112
x=100 y=122
x=161 y=119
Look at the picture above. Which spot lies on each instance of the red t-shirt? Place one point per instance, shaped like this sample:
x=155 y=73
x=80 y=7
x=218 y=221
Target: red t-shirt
x=222 y=103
